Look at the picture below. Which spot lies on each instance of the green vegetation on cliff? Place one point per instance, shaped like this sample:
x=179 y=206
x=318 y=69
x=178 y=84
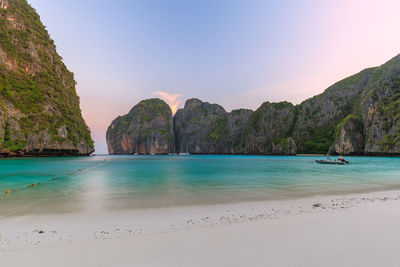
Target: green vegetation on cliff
x=219 y=130
x=146 y=129
x=357 y=115
x=37 y=91
x=344 y=121
x=322 y=139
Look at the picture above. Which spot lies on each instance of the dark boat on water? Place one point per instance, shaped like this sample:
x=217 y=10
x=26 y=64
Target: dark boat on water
x=321 y=161
x=340 y=161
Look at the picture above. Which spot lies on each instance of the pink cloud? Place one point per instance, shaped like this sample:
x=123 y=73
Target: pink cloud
x=173 y=100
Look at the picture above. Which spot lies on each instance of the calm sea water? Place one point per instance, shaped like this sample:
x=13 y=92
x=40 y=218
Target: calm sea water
x=104 y=183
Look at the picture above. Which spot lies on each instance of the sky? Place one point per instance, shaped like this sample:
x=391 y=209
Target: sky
x=237 y=53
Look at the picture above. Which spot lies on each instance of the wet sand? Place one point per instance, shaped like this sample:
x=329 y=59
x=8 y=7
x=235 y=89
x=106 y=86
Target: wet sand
x=351 y=230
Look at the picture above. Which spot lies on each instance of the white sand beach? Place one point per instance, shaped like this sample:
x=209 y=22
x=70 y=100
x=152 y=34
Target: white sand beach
x=351 y=230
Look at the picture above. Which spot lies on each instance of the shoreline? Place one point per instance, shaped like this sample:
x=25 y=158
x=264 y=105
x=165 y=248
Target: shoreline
x=26 y=235
x=19 y=154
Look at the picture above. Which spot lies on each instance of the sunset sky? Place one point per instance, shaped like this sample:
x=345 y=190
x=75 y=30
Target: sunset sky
x=234 y=53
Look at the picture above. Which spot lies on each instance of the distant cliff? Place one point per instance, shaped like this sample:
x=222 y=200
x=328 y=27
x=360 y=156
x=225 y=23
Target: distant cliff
x=146 y=129
x=201 y=128
x=207 y=128
x=359 y=115
x=39 y=107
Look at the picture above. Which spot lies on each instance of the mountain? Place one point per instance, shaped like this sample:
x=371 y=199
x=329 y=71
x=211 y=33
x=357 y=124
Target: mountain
x=359 y=115
x=377 y=109
x=203 y=128
x=39 y=107
x=146 y=129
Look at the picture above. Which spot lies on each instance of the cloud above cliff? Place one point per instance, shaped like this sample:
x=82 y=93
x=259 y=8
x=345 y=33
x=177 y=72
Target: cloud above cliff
x=173 y=100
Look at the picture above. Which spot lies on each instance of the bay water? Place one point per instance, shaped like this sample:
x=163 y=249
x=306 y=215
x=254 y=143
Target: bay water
x=102 y=183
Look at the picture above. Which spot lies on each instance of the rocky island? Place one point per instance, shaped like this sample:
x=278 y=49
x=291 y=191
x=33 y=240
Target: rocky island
x=358 y=115
x=39 y=107
x=146 y=129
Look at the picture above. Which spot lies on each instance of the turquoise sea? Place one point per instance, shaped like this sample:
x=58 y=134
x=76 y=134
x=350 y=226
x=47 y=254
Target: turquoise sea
x=102 y=183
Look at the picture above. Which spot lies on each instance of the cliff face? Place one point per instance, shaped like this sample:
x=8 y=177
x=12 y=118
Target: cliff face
x=349 y=137
x=237 y=122
x=355 y=116
x=380 y=109
x=39 y=107
x=146 y=129
x=269 y=130
x=200 y=128
x=204 y=128
x=318 y=116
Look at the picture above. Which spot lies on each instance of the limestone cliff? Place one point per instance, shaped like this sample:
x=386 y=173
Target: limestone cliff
x=146 y=129
x=318 y=116
x=380 y=110
x=377 y=106
x=349 y=137
x=204 y=128
x=39 y=107
x=359 y=115
x=269 y=130
x=200 y=128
